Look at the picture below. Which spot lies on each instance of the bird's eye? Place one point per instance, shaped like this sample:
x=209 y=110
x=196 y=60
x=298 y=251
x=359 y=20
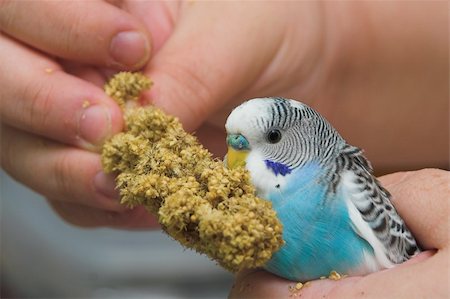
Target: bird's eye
x=274 y=136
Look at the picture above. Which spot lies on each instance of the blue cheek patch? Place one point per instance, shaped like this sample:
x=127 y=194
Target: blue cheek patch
x=278 y=168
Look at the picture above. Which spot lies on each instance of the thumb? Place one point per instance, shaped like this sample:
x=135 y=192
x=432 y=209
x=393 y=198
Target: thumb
x=209 y=60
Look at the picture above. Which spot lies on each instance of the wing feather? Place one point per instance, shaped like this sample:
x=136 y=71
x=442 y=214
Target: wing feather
x=371 y=211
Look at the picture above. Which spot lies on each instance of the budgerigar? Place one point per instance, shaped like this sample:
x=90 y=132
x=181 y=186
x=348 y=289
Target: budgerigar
x=335 y=214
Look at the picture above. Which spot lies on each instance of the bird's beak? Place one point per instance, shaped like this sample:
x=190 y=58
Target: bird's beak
x=236 y=158
x=238 y=149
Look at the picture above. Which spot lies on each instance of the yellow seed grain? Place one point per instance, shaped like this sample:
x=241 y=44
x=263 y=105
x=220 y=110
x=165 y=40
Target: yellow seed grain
x=198 y=202
x=86 y=104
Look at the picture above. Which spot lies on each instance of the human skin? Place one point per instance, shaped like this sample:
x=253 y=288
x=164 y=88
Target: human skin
x=383 y=83
x=421 y=198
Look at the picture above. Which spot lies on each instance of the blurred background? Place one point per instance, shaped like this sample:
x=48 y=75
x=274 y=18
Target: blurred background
x=44 y=257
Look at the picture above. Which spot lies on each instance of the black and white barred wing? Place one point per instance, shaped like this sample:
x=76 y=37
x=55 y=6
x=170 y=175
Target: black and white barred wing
x=372 y=214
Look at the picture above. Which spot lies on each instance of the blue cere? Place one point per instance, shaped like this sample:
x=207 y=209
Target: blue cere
x=238 y=142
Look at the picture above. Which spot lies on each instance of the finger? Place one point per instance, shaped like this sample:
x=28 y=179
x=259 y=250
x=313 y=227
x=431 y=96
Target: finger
x=92 y=32
x=259 y=284
x=425 y=279
x=262 y=284
x=422 y=256
x=85 y=72
x=83 y=216
x=193 y=79
x=57 y=171
x=37 y=97
x=421 y=198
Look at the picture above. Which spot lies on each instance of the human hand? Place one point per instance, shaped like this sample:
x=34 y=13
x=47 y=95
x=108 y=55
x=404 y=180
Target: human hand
x=58 y=138
x=421 y=198
x=206 y=57
x=53 y=123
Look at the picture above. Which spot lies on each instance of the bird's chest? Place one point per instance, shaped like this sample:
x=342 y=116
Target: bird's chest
x=316 y=229
x=312 y=218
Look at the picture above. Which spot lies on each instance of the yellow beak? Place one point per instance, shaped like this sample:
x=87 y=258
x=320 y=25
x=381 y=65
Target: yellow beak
x=236 y=158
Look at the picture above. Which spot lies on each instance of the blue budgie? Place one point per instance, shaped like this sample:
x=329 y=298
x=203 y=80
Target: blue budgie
x=335 y=214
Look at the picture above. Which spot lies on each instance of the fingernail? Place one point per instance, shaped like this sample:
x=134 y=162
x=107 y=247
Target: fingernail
x=130 y=49
x=105 y=184
x=94 y=124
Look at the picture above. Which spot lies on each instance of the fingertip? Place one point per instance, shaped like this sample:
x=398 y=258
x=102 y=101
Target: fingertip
x=98 y=121
x=105 y=184
x=130 y=50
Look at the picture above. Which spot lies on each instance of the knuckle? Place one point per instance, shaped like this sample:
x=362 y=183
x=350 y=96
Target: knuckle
x=71 y=31
x=37 y=111
x=7 y=14
x=62 y=176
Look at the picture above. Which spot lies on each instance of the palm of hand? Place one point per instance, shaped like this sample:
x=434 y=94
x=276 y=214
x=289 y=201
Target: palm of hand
x=243 y=63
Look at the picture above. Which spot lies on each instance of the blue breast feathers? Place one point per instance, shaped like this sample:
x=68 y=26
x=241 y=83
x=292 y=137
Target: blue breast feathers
x=278 y=168
x=316 y=228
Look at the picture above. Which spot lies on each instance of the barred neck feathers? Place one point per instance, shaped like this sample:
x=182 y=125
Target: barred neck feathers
x=308 y=137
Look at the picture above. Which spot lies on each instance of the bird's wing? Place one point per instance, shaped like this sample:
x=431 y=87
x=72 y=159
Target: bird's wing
x=372 y=214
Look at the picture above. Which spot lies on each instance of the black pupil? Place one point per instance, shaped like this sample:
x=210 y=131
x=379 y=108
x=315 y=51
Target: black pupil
x=274 y=136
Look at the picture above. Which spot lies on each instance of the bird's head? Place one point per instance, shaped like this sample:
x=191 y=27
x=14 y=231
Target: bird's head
x=272 y=137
